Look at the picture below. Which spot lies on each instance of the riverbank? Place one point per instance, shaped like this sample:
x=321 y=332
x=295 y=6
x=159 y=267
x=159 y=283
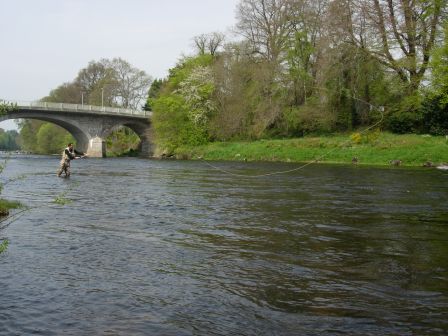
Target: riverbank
x=6 y=205
x=373 y=149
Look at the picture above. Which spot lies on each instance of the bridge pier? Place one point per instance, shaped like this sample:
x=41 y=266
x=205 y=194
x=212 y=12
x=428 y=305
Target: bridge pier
x=96 y=148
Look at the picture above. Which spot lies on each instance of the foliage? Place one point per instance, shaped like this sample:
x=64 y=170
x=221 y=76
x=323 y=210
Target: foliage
x=52 y=139
x=153 y=93
x=28 y=134
x=4 y=246
x=7 y=107
x=413 y=150
x=122 y=140
x=356 y=138
x=354 y=83
x=5 y=205
x=9 y=140
x=172 y=126
x=197 y=90
x=406 y=116
x=434 y=108
x=62 y=199
x=434 y=112
x=183 y=105
x=439 y=67
x=43 y=138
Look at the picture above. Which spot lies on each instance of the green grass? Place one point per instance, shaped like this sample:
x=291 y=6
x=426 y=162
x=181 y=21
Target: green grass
x=373 y=149
x=4 y=246
x=6 y=205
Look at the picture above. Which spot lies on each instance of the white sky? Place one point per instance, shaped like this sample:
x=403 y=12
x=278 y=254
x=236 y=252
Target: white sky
x=46 y=42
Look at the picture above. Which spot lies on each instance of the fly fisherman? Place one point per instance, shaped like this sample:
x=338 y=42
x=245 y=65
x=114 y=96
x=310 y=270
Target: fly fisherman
x=67 y=155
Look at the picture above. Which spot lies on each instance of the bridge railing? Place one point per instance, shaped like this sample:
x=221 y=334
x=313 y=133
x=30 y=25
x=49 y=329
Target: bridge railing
x=81 y=108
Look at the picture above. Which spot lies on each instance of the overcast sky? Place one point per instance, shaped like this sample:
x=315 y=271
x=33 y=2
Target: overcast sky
x=46 y=42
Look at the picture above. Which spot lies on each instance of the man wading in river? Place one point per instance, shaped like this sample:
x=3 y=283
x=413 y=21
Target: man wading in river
x=67 y=155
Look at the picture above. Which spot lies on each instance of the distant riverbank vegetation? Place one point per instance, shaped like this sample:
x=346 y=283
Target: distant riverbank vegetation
x=7 y=140
x=294 y=69
x=371 y=149
x=309 y=69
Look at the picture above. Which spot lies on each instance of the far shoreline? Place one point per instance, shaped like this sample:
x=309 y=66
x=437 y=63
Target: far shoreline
x=380 y=150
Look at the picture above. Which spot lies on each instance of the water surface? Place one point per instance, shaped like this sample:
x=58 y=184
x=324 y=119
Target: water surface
x=178 y=248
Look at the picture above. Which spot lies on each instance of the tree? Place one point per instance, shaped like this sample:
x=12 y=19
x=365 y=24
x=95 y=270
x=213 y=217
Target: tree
x=130 y=85
x=266 y=25
x=153 y=93
x=69 y=93
x=88 y=78
x=180 y=112
x=28 y=134
x=52 y=139
x=8 y=140
x=6 y=107
x=398 y=33
x=439 y=67
x=208 y=43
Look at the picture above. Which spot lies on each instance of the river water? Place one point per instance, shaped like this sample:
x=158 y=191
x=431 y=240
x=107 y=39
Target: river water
x=141 y=247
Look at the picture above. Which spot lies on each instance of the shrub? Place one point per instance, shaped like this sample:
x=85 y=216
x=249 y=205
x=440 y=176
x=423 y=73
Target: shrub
x=435 y=115
x=406 y=116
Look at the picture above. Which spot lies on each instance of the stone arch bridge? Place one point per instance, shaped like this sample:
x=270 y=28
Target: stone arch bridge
x=89 y=125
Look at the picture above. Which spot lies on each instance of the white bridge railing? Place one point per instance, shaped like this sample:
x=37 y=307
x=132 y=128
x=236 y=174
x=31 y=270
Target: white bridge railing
x=80 y=108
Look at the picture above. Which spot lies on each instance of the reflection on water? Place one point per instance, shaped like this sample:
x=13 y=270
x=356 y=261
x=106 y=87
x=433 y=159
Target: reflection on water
x=176 y=248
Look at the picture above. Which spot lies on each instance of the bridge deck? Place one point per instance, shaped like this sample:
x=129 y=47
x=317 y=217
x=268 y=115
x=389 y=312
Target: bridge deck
x=80 y=108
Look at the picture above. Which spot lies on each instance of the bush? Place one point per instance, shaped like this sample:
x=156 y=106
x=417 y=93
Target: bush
x=406 y=116
x=435 y=115
x=172 y=126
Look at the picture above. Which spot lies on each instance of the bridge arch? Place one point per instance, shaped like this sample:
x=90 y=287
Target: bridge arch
x=81 y=138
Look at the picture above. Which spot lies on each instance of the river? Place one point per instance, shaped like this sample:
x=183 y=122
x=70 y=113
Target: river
x=143 y=247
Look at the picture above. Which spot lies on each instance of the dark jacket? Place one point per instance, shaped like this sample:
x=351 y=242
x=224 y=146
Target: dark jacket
x=72 y=154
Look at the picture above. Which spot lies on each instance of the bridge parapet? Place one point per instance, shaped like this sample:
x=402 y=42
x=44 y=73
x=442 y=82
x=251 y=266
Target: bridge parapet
x=81 y=108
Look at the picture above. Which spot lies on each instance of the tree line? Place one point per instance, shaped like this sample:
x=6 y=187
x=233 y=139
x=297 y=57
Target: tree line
x=309 y=66
x=296 y=67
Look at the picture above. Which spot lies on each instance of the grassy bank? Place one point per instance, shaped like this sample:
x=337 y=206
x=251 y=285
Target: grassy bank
x=6 y=205
x=3 y=246
x=373 y=149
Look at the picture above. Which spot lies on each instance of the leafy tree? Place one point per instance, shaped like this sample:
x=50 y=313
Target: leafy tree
x=434 y=108
x=130 y=85
x=28 y=134
x=8 y=140
x=439 y=67
x=69 y=93
x=153 y=93
x=197 y=90
x=6 y=107
x=180 y=112
x=52 y=139
x=122 y=141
